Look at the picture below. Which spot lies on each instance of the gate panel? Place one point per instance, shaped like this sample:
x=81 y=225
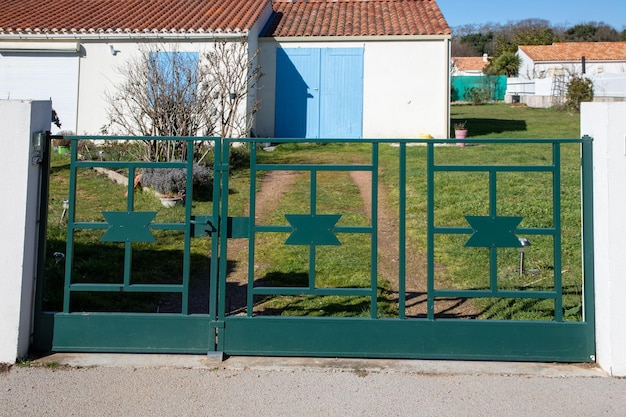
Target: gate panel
x=490 y=229
x=122 y=307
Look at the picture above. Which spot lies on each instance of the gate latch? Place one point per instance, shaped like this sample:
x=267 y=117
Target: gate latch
x=236 y=227
x=201 y=226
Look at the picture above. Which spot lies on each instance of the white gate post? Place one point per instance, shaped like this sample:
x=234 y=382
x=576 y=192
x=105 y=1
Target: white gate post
x=606 y=123
x=19 y=210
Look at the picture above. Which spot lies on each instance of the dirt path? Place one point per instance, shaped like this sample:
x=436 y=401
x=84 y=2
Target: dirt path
x=273 y=186
x=388 y=247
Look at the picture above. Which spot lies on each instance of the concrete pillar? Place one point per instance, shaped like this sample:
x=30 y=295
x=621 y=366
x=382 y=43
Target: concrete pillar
x=19 y=188
x=606 y=123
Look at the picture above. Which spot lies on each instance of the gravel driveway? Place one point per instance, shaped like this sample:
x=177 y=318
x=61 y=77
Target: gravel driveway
x=306 y=387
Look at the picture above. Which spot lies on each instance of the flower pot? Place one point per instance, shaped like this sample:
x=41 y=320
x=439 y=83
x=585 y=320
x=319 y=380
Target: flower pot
x=460 y=134
x=170 y=201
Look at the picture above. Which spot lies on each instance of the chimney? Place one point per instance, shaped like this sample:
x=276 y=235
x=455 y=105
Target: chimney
x=485 y=58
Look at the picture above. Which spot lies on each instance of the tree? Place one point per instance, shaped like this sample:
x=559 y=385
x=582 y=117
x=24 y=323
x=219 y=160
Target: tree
x=478 y=41
x=578 y=90
x=506 y=64
x=591 y=32
x=174 y=93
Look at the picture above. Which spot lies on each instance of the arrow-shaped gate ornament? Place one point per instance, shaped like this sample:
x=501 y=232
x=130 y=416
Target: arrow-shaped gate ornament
x=493 y=231
x=313 y=229
x=128 y=226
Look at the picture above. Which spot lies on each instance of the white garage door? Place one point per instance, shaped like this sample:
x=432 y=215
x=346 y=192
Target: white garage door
x=42 y=75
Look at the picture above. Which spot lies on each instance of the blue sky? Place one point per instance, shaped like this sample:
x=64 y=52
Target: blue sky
x=558 y=12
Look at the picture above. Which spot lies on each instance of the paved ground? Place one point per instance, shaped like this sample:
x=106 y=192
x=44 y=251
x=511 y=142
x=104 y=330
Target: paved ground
x=168 y=385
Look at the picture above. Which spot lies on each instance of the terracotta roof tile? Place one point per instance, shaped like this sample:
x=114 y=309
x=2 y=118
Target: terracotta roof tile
x=470 y=63
x=573 y=51
x=356 y=18
x=127 y=16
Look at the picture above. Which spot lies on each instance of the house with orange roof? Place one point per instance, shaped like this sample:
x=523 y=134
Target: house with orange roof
x=346 y=68
x=546 y=69
x=469 y=65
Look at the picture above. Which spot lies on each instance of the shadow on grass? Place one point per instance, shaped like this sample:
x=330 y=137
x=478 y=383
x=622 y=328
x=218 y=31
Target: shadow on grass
x=481 y=127
x=102 y=263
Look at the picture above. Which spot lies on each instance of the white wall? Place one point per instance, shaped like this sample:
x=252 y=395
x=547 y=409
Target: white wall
x=101 y=71
x=19 y=222
x=606 y=123
x=405 y=91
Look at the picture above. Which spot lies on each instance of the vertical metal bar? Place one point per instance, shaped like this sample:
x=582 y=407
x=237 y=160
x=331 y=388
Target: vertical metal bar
x=430 y=233
x=251 y=235
x=42 y=223
x=402 y=234
x=556 y=214
x=493 y=212
x=128 y=263
x=214 y=276
x=374 y=253
x=130 y=187
x=71 y=218
x=187 y=242
x=313 y=206
x=223 y=227
x=128 y=250
x=222 y=235
x=589 y=316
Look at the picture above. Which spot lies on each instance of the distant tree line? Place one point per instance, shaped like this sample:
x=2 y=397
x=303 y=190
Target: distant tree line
x=500 y=41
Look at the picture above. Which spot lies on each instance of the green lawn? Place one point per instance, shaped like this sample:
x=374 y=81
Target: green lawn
x=506 y=121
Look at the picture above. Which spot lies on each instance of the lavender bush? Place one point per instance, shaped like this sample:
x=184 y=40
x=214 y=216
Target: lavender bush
x=174 y=180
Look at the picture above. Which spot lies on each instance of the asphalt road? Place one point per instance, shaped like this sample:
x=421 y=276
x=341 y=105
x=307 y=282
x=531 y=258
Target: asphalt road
x=161 y=385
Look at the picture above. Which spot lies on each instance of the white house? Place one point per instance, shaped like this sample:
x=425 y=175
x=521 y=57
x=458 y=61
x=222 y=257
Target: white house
x=546 y=69
x=469 y=65
x=355 y=69
x=394 y=57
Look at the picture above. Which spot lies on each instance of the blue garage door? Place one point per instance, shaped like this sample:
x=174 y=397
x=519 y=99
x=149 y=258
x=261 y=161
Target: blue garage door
x=319 y=92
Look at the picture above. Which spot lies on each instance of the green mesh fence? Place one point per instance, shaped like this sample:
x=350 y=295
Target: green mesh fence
x=478 y=89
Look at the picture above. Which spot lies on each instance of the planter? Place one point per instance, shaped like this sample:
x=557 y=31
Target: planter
x=460 y=134
x=170 y=201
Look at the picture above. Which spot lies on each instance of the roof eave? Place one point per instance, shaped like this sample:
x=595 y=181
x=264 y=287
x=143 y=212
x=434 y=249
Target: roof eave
x=124 y=35
x=378 y=38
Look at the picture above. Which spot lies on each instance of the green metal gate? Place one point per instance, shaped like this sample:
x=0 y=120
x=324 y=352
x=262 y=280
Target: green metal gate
x=488 y=229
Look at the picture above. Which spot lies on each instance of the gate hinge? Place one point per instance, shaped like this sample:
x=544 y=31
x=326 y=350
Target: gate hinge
x=238 y=227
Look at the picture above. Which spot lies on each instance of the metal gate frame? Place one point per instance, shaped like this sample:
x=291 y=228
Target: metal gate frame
x=432 y=338
x=132 y=332
x=400 y=337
